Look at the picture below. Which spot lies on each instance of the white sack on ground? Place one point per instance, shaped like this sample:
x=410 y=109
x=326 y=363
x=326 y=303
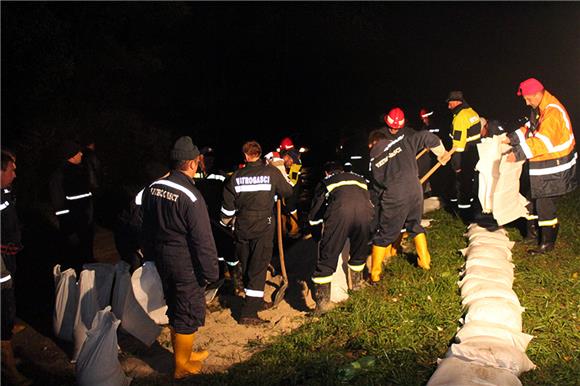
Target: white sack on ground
x=490 y=235
x=492 y=352
x=98 y=362
x=457 y=372
x=65 y=305
x=148 y=292
x=497 y=292
x=104 y=276
x=486 y=240
x=479 y=274
x=339 y=284
x=475 y=329
x=489 y=150
x=491 y=274
x=467 y=286
x=430 y=204
x=134 y=319
x=474 y=228
x=495 y=310
x=87 y=308
x=489 y=263
x=490 y=251
x=470 y=290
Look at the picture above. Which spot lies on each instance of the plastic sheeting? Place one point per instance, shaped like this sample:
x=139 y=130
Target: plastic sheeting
x=148 y=292
x=66 y=300
x=98 y=361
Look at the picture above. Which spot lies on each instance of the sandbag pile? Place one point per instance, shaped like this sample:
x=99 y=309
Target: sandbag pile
x=490 y=346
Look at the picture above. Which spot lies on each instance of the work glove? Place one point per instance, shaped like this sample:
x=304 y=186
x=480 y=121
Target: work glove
x=443 y=156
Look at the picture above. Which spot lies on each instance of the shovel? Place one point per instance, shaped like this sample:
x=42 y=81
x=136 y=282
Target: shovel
x=284 y=285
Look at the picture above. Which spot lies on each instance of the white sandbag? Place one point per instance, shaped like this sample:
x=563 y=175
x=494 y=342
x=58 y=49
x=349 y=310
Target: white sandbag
x=430 y=204
x=134 y=319
x=497 y=292
x=489 y=263
x=492 y=352
x=490 y=251
x=65 y=304
x=98 y=362
x=339 y=283
x=481 y=274
x=457 y=372
x=148 y=292
x=87 y=308
x=495 y=310
x=104 y=276
x=467 y=286
x=470 y=289
x=476 y=329
x=489 y=235
x=491 y=274
x=474 y=228
x=494 y=241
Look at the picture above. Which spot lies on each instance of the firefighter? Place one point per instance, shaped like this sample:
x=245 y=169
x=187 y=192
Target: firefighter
x=248 y=200
x=401 y=200
x=72 y=201
x=11 y=245
x=548 y=143
x=342 y=204
x=293 y=165
x=177 y=235
x=466 y=134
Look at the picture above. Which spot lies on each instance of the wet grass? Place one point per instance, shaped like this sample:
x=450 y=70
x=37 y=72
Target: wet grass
x=408 y=321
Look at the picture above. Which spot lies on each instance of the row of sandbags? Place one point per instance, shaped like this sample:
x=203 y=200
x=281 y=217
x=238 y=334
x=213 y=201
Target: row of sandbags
x=89 y=311
x=490 y=347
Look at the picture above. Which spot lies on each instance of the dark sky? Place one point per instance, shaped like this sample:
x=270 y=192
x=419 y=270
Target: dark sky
x=226 y=72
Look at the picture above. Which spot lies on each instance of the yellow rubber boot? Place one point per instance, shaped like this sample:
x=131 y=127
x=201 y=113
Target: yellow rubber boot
x=377 y=257
x=195 y=355
x=182 y=344
x=424 y=258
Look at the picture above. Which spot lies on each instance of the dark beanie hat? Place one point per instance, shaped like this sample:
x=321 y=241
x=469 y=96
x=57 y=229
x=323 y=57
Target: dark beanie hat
x=69 y=149
x=183 y=150
x=455 y=96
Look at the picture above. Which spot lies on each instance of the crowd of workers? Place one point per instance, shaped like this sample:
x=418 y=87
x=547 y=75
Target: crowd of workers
x=169 y=223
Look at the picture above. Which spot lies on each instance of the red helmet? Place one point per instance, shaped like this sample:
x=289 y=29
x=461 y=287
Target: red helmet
x=424 y=113
x=286 y=144
x=395 y=119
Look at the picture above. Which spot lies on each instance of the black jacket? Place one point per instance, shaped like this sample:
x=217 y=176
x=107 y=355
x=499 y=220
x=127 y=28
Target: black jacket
x=249 y=196
x=11 y=236
x=175 y=220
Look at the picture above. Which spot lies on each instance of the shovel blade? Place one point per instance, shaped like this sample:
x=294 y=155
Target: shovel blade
x=280 y=293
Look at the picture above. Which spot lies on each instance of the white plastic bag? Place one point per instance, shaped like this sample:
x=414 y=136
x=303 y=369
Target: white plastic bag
x=98 y=362
x=489 y=251
x=104 y=276
x=476 y=329
x=148 y=292
x=492 y=352
x=493 y=241
x=66 y=301
x=474 y=228
x=489 y=263
x=496 y=235
x=457 y=372
x=491 y=274
x=491 y=292
x=87 y=308
x=496 y=310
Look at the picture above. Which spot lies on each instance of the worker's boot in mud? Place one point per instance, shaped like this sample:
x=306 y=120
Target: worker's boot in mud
x=377 y=256
x=423 y=256
x=249 y=314
x=357 y=278
x=531 y=236
x=195 y=355
x=548 y=236
x=9 y=370
x=237 y=279
x=323 y=303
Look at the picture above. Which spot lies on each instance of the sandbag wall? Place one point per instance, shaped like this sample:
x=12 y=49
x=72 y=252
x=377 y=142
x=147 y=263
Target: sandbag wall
x=490 y=346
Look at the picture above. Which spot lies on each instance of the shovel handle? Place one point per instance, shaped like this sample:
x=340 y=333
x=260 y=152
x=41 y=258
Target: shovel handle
x=433 y=169
x=422 y=153
x=280 y=242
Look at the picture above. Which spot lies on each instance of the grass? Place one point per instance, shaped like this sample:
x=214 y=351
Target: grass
x=408 y=321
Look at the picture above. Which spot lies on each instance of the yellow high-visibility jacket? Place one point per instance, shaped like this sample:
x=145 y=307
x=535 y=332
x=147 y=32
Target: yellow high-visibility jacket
x=466 y=127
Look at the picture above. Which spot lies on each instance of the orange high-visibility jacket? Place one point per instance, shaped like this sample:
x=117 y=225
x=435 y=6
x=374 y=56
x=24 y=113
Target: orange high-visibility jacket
x=550 y=148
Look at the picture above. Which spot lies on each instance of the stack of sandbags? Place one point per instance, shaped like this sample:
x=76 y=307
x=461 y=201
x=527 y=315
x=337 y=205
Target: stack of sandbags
x=490 y=346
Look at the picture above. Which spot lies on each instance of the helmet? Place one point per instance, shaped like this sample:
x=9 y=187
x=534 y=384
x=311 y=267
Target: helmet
x=395 y=119
x=424 y=113
x=286 y=144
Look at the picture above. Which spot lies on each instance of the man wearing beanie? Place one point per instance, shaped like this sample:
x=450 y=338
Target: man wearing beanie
x=72 y=201
x=249 y=197
x=177 y=236
x=547 y=141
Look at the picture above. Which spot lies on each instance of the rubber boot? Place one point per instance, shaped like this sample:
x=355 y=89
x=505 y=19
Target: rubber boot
x=357 y=279
x=195 y=355
x=323 y=303
x=182 y=344
x=249 y=314
x=9 y=370
x=378 y=254
x=548 y=235
x=531 y=232
x=424 y=258
x=237 y=279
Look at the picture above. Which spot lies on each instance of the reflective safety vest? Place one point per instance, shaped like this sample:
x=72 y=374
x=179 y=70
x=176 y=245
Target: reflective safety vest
x=466 y=127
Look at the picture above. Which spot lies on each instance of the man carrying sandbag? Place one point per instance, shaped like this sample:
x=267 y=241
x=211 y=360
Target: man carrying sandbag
x=178 y=236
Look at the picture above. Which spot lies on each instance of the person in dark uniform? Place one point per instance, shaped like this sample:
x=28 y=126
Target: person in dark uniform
x=466 y=134
x=11 y=245
x=248 y=200
x=394 y=169
x=177 y=235
x=72 y=201
x=342 y=203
